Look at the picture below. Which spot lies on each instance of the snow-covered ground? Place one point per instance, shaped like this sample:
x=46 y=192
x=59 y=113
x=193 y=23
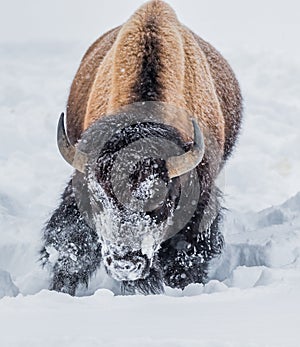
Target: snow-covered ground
x=253 y=298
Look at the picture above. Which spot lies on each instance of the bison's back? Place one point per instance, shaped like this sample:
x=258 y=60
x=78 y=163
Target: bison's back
x=210 y=90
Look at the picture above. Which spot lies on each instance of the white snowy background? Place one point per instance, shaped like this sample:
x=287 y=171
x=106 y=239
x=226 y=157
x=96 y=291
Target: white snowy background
x=253 y=298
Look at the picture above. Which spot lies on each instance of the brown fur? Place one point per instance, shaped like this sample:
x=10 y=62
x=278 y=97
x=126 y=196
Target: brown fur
x=153 y=57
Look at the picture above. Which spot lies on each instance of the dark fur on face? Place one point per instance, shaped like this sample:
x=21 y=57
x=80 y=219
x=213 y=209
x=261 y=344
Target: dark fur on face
x=148 y=167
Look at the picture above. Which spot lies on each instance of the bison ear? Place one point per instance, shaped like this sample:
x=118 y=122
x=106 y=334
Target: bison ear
x=69 y=152
x=186 y=162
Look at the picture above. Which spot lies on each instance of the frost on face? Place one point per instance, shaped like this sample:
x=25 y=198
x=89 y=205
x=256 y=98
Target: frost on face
x=125 y=230
x=147 y=246
x=145 y=190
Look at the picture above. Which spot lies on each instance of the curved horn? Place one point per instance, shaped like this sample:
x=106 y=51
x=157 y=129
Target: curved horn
x=69 y=152
x=186 y=162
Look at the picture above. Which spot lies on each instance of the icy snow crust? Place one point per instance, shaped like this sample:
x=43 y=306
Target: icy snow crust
x=253 y=298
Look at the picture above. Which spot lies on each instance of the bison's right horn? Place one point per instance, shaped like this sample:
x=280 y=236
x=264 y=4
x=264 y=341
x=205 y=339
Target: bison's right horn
x=69 y=152
x=186 y=162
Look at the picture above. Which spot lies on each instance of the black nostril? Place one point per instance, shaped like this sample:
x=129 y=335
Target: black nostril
x=139 y=266
x=109 y=261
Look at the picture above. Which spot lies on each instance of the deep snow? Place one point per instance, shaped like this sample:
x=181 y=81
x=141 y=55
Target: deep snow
x=253 y=298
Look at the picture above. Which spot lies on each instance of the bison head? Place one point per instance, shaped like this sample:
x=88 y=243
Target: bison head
x=135 y=183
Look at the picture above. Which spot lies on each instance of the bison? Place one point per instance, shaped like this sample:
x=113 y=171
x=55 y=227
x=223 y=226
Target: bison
x=153 y=114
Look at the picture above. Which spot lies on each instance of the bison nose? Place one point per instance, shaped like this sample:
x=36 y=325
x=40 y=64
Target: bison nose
x=125 y=270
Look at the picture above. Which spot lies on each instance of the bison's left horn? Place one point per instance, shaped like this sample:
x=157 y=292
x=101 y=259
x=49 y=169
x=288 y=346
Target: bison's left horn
x=69 y=152
x=186 y=162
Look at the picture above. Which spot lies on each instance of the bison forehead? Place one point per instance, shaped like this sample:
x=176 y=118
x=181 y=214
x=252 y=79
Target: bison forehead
x=159 y=114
